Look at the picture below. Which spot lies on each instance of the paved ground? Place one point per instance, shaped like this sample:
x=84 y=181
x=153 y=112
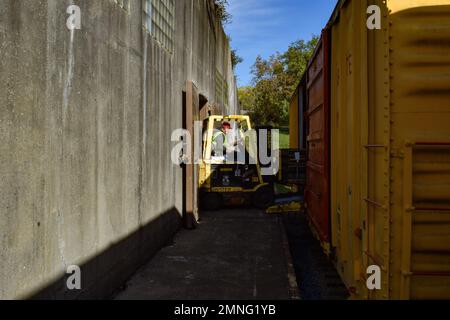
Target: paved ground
x=232 y=255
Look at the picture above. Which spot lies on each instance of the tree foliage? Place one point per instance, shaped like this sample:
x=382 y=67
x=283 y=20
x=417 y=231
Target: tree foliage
x=274 y=81
x=246 y=96
x=235 y=58
x=222 y=12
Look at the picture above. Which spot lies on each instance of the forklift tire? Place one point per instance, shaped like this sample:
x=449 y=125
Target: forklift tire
x=263 y=197
x=211 y=201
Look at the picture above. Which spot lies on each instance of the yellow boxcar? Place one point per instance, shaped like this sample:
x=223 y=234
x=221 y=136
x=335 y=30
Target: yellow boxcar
x=297 y=109
x=294 y=124
x=390 y=140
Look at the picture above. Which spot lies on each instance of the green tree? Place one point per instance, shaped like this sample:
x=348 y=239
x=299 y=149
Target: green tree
x=296 y=59
x=222 y=12
x=274 y=81
x=235 y=58
x=246 y=97
x=272 y=89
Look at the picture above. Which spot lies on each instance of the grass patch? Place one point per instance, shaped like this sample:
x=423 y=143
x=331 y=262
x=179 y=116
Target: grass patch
x=284 y=138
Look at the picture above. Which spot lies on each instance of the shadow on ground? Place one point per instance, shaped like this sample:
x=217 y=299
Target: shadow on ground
x=107 y=271
x=316 y=276
x=231 y=255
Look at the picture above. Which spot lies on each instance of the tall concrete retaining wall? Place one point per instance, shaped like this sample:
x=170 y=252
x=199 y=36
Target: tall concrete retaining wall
x=85 y=124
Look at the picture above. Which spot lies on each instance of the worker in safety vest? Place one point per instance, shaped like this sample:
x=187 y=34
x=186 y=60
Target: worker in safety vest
x=220 y=140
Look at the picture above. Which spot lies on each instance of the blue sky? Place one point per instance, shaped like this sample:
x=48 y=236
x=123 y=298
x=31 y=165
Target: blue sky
x=267 y=26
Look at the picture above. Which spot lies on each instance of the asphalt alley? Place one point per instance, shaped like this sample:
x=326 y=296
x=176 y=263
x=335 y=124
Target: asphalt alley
x=233 y=254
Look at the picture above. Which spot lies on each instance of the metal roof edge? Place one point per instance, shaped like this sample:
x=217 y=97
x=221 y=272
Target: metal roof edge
x=335 y=13
x=331 y=21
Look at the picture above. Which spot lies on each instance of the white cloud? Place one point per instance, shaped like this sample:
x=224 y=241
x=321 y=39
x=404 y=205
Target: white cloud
x=254 y=19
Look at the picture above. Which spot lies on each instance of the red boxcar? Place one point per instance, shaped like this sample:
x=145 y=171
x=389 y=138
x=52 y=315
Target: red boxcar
x=317 y=191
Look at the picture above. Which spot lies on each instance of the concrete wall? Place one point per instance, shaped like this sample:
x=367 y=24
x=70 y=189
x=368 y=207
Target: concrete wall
x=85 y=126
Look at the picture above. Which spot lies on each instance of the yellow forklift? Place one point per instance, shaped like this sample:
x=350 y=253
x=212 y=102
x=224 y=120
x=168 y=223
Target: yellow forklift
x=230 y=173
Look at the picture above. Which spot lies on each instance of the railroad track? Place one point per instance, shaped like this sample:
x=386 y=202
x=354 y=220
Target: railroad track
x=316 y=276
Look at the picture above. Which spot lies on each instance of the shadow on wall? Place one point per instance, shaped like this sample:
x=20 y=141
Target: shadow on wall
x=103 y=275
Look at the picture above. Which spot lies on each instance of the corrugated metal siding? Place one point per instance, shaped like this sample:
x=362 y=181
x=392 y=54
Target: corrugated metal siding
x=359 y=174
x=390 y=103
x=317 y=190
x=420 y=99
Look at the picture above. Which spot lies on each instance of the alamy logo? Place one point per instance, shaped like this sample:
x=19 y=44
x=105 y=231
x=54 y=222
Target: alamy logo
x=374 y=21
x=188 y=148
x=74 y=280
x=74 y=20
x=374 y=279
